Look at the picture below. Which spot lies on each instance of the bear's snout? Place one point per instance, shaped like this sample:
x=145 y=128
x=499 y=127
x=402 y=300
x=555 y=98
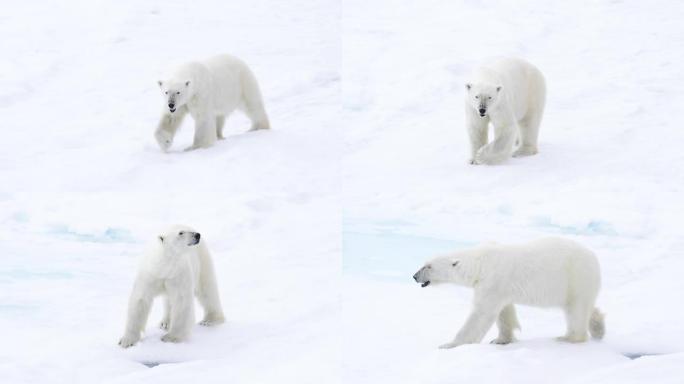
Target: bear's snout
x=194 y=238
x=482 y=112
x=420 y=279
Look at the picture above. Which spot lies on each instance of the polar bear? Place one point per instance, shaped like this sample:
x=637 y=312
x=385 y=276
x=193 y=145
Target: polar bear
x=209 y=91
x=549 y=272
x=510 y=94
x=176 y=266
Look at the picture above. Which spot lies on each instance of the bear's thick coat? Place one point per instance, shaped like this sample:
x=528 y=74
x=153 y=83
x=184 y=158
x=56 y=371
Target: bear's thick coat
x=549 y=272
x=510 y=94
x=209 y=91
x=177 y=266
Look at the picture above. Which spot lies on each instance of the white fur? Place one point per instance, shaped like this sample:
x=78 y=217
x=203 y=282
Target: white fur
x=513 y=93
x=209 y=91
x=550 y=272
x=176 y=266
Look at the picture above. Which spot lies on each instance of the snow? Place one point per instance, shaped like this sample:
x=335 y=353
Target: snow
x=317 y=225
x=609 y=174
x=84 y=187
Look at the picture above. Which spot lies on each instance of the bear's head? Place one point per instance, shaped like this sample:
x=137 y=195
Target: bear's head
x=439 y=270
x=176 y=93
x=483 y=97
x=177 y=239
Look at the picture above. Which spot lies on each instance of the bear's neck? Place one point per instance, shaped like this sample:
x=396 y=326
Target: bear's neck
x=469 y=269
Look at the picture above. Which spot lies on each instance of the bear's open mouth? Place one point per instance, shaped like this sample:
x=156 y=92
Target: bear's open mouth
x=425 y=284
x=172 y=110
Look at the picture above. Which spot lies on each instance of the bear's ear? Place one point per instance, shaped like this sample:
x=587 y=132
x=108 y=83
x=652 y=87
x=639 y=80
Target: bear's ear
x=499 y=88
x=468 y=86
x=161 y=239
x=187 y=83
x=455 y=263
x=160 y=83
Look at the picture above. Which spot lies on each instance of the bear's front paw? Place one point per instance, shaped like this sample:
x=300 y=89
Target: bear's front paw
x=164 y=324
x=169 y=338
x=481 y=157
x=164 y=139
x=128 y=341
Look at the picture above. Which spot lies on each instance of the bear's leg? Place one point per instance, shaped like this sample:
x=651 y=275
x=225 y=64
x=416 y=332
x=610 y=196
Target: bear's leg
x=477 y=132
x=257 y=115
x=168 y=126
x=182 y=310
x=577 y=315
x=138 y=311
x=252 y=103
x=476 y=326
x=500 y=149
x=220 y=122
x=205 y=133
x=507 y=322
x=208 y=297
x=529 y=133
x=166 y=320
x=529 y=125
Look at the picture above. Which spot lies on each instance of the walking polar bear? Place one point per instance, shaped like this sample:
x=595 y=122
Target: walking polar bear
x=209 y=91
x=510 y=94
x=176 y=266
x=550 y=272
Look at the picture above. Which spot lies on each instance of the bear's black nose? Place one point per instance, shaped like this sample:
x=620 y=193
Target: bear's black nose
x=482 y=111
x=171 y=105
x=197 y=236
x=415 y=276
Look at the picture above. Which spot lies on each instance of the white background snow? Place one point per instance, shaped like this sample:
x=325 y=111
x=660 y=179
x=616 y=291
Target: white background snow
x=609 y=174
x=317 y=225
x=84 y=187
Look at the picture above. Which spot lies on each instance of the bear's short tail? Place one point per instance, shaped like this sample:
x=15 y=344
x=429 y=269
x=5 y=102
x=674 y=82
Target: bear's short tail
x=597 y=327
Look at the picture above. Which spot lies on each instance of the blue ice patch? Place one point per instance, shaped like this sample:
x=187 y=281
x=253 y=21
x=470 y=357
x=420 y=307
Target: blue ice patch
x=592 y=228
x=19 y=274
x=20 y=217
x=110 y=235
x=391 y=256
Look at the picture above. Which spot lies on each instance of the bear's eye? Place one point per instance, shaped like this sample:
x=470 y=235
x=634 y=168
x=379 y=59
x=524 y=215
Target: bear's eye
x=489 y=97
x=166 y=93
x=455 y=263
x=477 y=97
x=429 y=267
x=180 y=233
x=178 y=93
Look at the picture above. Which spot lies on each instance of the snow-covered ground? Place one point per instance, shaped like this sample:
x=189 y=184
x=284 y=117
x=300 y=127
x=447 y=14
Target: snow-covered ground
x=83 y=186
x=609 y=174
x=317 y=225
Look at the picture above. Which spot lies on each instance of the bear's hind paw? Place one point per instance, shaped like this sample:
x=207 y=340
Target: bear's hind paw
x=449 y=345
x=210 y=321
x=169 y=338
x=502 y=341
x=522 y=152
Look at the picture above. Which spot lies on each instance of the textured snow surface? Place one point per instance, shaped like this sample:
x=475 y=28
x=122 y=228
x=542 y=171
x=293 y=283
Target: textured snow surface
x=317 y=225
x=609 y=174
